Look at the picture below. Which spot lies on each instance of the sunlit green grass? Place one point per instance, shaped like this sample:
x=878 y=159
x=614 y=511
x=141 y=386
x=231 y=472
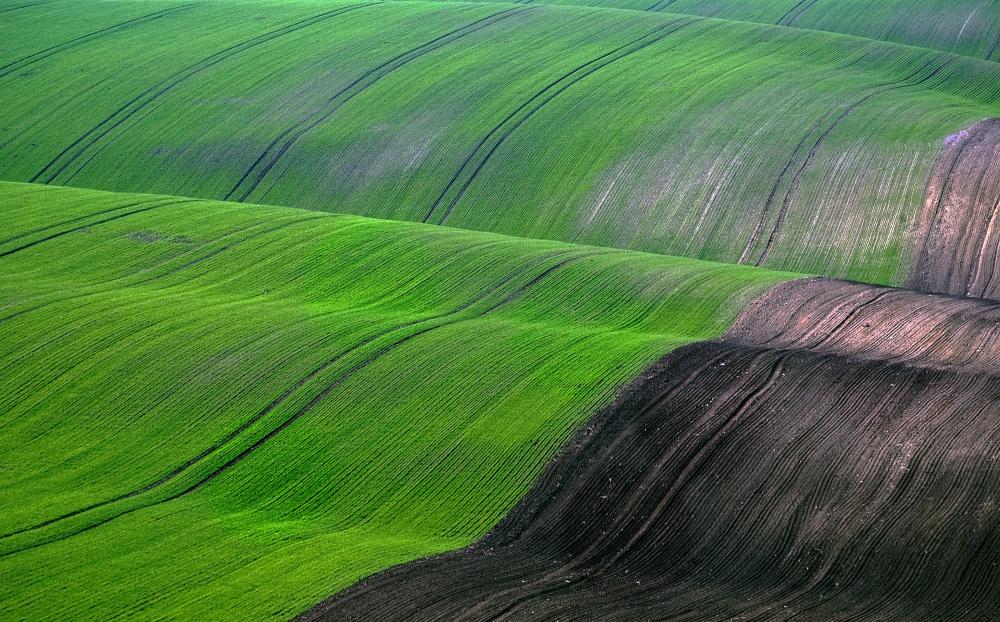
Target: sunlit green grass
x=418 y=379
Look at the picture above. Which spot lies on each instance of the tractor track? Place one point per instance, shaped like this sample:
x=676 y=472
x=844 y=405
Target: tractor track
x=793 y=184
x=97 y=222
x=801 y=7
x=30 y=59
x=450 y=317
x=660 y=5
x=485 y=148
x=24 y=6
x=278 y=147
x=71 y=153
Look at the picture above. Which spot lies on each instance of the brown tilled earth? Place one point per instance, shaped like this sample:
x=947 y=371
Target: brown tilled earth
x=958 y=237
x=835 y=457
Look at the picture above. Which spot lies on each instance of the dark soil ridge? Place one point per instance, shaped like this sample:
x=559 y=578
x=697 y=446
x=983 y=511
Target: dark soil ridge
x=958 y=234
x=834 y=457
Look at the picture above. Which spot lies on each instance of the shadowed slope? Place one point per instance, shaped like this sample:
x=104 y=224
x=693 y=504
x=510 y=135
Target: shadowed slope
x=834 y=457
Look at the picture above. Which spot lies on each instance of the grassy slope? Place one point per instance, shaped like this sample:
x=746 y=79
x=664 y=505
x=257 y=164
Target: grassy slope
x=139 y=332
x=967 y=27
x=726 y=141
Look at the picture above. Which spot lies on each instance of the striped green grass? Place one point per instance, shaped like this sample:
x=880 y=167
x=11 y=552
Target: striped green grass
x=967 y=27
x=219 y=410
x=720 y=140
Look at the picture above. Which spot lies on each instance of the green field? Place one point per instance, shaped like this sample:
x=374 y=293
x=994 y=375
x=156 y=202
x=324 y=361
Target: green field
x=720 y=140
x=966 y=27
x=295 y=291
x=228 y=392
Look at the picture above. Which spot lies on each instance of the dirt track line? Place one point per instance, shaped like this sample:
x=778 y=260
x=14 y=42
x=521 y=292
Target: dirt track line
x=759 y=227
x=344 y=376
x=660 y=5
x=78 y=147
x=765 y=212
x=105 y=286
x=797 y=178
x=70 y=221
x=993 y=48
x=69 y=101
x=24 y=6
x=97 y=34
x=297 y=415
x=546 y=94
x=269 y=158
x=691 y=466
x=841 y=326
x=808 y=4
x=218 y=251
x=92 y=224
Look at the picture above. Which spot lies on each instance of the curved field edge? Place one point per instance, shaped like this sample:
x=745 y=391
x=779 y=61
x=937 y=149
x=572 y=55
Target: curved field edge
x=829 y=459
x=433 y=117
x=208 y=402
x=969 y=28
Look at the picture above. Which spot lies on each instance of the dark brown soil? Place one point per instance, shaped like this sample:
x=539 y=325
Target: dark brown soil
x=835 y=457
x=958 y=243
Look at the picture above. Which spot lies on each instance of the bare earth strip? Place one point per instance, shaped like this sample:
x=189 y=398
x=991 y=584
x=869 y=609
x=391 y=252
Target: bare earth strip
x=958 y=248
x=833 y=457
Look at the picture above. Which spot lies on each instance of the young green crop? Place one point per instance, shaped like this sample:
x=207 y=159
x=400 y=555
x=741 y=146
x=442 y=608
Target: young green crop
x=727 y=141
x=967 y=27
x=208 y=403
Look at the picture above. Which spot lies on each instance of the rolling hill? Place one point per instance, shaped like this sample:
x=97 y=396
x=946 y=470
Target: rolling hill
x=548 y=310
x=829 y=459
x=226 y=392
x=966 y=27
x=720 y=140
